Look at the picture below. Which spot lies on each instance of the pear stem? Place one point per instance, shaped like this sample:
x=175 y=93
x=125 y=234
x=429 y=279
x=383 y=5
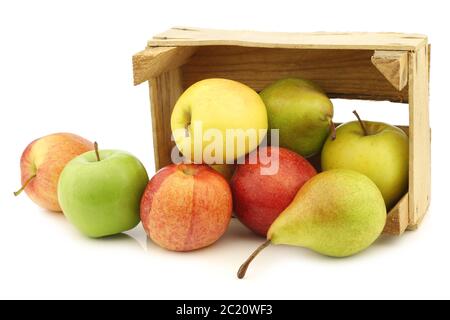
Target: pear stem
x=96 y=150
x=243 y=269
x=24 y=185
x=333 y=129
x=363 y=127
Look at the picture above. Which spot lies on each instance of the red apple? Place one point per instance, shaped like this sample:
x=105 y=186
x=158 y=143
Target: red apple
x=258 y=199
x=42 y=162
x=186 y=207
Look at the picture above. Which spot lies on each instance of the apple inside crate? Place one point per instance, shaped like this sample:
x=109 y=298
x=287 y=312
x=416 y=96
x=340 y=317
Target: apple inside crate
x=368 y=66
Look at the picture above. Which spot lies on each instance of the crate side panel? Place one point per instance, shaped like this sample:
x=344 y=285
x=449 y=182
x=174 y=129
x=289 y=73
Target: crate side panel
x=342 y=73
x=420 y=136
x=165 y=91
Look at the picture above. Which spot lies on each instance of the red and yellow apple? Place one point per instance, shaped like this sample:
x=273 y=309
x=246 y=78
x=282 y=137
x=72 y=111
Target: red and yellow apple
x=186 y=207
x=42 y=162
x=259 y=198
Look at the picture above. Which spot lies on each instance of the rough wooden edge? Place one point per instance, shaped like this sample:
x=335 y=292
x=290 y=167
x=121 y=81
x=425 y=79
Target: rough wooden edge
x=165 y=91
x=393 y=65
x=420 y=144
x=398 y=218
x=182 y=36
x=151 y=62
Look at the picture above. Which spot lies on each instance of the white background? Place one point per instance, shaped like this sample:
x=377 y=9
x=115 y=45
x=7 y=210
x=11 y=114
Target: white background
x=66 y=66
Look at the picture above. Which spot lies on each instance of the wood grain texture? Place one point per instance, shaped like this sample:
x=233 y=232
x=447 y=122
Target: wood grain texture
x=341 y=73
x=151 y=62
x=164 y=92
x=182 y=36
x=394 y=66
x=420 y=136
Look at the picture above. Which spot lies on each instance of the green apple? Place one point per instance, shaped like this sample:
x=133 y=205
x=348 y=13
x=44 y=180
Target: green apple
x=218 y=121
x=301 y=111
x=100 y=193
x=378 y=150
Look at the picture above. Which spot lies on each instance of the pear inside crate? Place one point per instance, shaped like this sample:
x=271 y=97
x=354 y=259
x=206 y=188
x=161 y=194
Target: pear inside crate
x=367 y=66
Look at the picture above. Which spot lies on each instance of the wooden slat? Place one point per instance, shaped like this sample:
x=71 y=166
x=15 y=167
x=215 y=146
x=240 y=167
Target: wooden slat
x=342 y=73
x=393 y=65
x=398 y=218
x=420 y=144
x=181 y=36
x=165 y=91
x=151 y=62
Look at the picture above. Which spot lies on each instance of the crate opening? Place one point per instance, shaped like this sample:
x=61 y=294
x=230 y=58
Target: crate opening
x=380 y=111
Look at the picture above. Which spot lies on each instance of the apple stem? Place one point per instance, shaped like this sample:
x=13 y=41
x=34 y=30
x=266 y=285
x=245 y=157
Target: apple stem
x=24 y=185
x=243 y=269
x=333 y=129
x=96 y=150
x=363 y=127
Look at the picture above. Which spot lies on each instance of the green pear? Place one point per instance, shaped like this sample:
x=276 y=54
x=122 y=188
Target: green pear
x=301 y=111
x=337 y=213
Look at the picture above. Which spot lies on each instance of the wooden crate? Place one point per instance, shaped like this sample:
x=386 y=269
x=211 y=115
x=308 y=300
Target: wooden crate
x=368 y=66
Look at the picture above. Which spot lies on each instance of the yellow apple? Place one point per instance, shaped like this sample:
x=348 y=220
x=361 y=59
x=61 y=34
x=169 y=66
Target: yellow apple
x=377 y=150
x=218 y=121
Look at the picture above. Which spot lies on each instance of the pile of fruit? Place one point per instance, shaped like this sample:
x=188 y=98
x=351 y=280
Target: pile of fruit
x=273 y=189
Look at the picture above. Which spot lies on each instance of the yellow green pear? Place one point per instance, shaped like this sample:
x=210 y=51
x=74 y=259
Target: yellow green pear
x=337 y=213
x=302 y=113
x=218 y=121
